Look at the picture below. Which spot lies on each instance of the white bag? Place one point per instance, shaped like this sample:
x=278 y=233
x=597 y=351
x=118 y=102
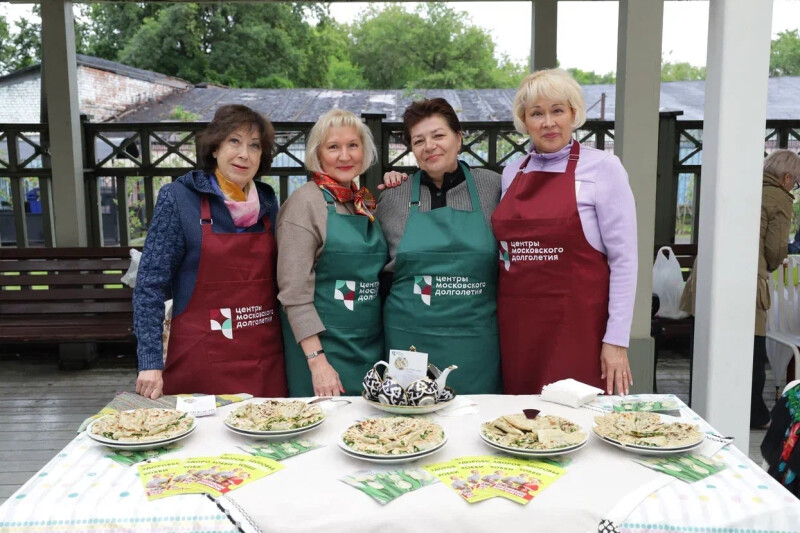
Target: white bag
x=668 y=284
x=129 y=278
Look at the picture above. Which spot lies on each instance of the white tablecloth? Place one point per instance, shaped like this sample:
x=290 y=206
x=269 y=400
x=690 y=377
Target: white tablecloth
x=80 y=490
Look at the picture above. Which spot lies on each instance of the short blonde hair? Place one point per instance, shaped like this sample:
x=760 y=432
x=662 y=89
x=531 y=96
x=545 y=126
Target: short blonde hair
x=782 y=162
x=553 y=84
x=338 y=118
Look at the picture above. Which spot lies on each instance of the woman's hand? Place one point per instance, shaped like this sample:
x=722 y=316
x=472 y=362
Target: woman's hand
x=392 y=179
x=324 y=378
x=150 y=384
x=615 y=369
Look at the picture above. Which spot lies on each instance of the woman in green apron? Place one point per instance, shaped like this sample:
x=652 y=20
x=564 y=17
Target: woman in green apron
x=442 y=254
x=330 y=252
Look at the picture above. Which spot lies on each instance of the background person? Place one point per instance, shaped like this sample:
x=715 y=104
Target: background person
x=567 y=232
x=781 y=176
x=442 y=255
x=331 y=251
x=210 y=248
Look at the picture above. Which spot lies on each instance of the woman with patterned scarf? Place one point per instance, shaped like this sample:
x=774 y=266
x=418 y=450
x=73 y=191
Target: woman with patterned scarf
x=331 y=250
x=210 y=248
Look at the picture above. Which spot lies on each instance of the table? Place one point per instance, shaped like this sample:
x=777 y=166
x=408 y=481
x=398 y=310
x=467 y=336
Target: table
x=80 y=490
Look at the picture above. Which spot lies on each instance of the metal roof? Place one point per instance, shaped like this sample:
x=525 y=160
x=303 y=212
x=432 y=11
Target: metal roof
x=481 y=105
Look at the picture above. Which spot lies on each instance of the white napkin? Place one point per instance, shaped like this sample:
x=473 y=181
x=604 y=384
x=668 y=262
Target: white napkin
x=459 y=406
x=570 y=392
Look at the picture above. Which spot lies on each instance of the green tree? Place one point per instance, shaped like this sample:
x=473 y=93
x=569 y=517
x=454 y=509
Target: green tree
x=681 y=71
x=784 y=57
x=590 y=77
x=433 y=47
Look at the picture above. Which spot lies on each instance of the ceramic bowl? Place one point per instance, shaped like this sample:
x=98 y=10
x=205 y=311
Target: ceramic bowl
x=392 y=393
x=422 y=392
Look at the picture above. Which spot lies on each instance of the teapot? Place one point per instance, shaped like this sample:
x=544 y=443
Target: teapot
x=440 y=378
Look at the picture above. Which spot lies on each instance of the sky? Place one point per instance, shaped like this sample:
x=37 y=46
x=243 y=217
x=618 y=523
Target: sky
x=587 y=31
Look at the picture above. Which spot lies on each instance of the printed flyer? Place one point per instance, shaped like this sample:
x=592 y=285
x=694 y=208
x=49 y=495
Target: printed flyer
x=128 y=458
x=157 y=476
x=278 y=451
x=689 y=468
x=384 y=487
x=203 y=475
x=482 y=477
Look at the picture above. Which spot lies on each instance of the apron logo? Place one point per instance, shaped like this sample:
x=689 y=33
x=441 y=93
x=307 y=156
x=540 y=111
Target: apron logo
x=345 y=291
x=422 y=286
x=221 y=321
x=504 y=255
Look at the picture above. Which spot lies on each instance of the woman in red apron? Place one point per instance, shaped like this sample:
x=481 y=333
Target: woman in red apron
x=210 y=248
x=566 y=231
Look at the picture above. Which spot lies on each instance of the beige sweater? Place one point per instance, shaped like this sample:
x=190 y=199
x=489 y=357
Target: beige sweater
x=300 y=232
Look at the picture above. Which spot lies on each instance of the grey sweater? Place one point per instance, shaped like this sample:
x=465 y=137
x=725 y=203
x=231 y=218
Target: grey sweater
x=393 y=207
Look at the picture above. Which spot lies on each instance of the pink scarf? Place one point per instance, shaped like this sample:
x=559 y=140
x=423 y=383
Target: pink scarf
x=245 y=214
x=244 y=211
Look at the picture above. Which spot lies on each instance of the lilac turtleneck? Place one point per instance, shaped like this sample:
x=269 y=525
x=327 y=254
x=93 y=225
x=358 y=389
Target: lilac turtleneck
x=608 y=217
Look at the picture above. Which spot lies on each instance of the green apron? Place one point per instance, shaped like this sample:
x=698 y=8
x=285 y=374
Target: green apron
x=443 y=297
x=347 y=301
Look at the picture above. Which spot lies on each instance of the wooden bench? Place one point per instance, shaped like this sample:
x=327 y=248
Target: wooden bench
x=666 y=329
x=69 y=296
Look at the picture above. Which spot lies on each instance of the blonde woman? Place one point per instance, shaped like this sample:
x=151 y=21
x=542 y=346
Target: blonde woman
x=566 y=227
x=330 y=251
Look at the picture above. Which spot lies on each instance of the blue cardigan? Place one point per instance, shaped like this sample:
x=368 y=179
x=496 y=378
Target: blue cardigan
x=168 y=268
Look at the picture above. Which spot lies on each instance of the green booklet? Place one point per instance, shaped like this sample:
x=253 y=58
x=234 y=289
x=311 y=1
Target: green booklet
x=667 y=407
x=128 y=458
x=689 y=468
x=278 y=451
x=384 y=487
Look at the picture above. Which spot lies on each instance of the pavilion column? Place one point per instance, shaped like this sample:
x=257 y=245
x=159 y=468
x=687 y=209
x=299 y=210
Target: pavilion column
x=733 y=155
x=636 y=144
x=544 y=34
x=60 y=86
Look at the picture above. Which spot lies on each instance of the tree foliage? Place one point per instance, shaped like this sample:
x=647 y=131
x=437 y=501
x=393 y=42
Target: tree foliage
x=784 y=58
x=590 y=77
x=671 y=71
x=434 y=46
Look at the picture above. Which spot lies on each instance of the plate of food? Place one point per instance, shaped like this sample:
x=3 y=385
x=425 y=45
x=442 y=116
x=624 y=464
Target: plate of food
x=408 y=409
x=274 y=418
x=141 y=429
x=393 y=439
x=543 y=436
x=648 y=433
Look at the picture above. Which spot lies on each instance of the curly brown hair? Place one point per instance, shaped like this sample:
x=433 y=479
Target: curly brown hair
x=228 y=119
x=422 y=109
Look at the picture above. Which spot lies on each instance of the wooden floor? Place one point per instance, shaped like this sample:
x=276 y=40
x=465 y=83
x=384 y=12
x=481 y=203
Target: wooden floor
x=41 y=407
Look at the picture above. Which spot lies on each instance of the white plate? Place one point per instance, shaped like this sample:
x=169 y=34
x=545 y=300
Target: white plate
x=523 y=452
x=277 y=434
x=650 y=450
x=388 y=459
x=149 y=445
x=406 y=409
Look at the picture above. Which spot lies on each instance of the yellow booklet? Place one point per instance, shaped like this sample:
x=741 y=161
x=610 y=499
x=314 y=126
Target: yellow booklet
x=450 y=474
x=157 y=477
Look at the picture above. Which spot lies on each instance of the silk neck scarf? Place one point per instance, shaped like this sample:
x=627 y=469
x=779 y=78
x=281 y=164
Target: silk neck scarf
x=242 y=205
x=362 y=199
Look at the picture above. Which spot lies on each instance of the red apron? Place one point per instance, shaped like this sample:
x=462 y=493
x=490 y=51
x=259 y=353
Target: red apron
x=552 y=295
x=228 y=339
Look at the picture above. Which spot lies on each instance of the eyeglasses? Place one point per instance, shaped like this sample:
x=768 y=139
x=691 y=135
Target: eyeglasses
x=796 y=185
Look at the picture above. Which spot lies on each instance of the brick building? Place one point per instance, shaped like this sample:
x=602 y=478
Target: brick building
x=106 y=89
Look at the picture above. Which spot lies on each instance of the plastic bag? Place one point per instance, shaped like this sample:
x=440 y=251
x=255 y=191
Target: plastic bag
x=668 y=284
x=129 y=278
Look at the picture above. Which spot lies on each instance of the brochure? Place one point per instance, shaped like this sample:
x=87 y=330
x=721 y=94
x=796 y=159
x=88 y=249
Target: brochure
x=384 y=487
x=278 y=451
x=128 y=458
x=689 y=468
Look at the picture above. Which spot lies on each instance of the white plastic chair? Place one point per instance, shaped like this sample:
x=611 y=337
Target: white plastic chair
x=783 y=320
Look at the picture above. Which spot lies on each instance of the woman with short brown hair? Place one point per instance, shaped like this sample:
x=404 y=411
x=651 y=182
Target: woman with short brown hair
x=210 y=248
x=442 y=255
